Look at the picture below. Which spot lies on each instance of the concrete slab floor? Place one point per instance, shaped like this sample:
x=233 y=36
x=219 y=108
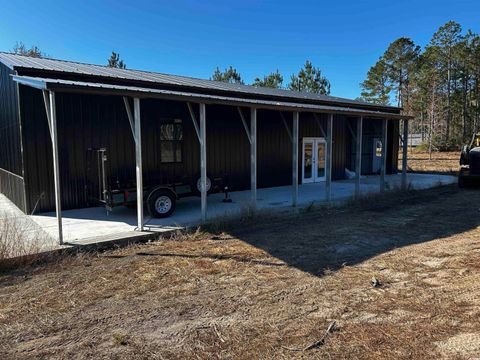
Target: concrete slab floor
x=83 y=225
x=17 y=227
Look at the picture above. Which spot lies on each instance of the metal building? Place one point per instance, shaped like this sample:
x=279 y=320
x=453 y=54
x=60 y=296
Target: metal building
x=165 y=129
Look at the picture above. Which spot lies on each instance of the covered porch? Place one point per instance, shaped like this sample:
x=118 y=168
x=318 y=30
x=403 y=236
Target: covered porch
x=86 y=225
x=72 y=225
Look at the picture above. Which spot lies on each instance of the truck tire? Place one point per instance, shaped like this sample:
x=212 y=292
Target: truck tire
x=161 y=203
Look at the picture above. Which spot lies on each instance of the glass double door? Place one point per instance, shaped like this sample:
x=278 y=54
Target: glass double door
x=314 y=160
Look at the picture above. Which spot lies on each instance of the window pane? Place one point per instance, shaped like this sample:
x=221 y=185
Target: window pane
x=171 y=137
x=166 y=151
x=321 y=160
x=378 y=148
x=178 y=152
x=307 y=156
x=166 y=132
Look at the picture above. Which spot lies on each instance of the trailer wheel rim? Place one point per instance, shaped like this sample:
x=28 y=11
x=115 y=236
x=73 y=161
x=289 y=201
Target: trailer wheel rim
x=163 y=204
x=208 y=183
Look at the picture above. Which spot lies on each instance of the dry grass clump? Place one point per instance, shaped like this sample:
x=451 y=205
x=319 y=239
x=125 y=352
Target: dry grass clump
x=441 y=162
x=21 y=241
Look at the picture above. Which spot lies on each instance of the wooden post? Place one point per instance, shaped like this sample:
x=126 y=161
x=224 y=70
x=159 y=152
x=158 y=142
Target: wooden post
x=404 y=155
x=384 y=155
x=203 y=161
x=253 y=156
x=328 y=184
x=295 y=158
x=138 y=158
x=358 y=159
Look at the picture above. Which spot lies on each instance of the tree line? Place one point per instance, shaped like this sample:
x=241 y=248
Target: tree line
x=439 y=85
x=309 y=79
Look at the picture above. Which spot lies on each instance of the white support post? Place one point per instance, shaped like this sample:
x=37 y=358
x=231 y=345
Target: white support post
x=253 y=156
x=52 y=118
x=358 y=158
x=404 y=155
x=295 y=159
x=328 y=183
x=138 y=157
x=203 y=161
x=384 y=155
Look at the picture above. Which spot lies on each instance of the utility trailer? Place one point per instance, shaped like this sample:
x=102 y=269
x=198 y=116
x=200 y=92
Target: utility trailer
x=160 y=197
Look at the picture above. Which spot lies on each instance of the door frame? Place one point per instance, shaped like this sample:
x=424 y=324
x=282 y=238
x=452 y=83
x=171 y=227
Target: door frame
x=314 y=141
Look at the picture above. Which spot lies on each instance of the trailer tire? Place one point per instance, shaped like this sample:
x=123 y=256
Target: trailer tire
x=161 y=203
x=196 y=185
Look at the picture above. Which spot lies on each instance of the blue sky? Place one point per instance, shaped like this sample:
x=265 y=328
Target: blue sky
x=343 y=38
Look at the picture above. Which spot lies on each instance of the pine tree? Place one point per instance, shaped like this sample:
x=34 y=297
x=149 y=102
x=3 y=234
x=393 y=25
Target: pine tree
x=375 y=88
x=115 y=61
x=273 y=80
x=310 y=79
x=229 y=75
x=445 y=41
x=401 y=59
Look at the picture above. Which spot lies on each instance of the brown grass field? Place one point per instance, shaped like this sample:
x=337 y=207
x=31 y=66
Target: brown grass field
x=441 y=162
x=266 y=288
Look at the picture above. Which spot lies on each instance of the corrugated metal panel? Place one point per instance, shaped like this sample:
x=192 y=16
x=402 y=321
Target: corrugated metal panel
x=11 y=164
x=68 y=67
x=109 y=89
x=10 y=140
x=88 y=121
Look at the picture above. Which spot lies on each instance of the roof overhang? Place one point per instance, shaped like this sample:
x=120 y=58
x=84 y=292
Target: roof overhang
x=62 y=85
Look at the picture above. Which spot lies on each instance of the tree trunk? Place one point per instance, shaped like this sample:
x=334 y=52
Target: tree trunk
x=449 y=110
x=464 y=109
x=432 y=121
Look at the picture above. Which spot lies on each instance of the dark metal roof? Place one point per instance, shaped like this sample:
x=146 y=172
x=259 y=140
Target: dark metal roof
x=76 y=86
x=17 y=62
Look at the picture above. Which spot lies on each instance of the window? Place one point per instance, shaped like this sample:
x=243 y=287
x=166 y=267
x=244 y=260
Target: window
x=171 y=139
x=378 y=148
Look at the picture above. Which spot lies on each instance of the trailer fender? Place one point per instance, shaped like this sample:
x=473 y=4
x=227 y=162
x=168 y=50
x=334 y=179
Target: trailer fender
x=161 y=187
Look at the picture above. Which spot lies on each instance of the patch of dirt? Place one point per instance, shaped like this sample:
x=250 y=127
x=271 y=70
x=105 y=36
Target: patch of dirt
x=465 y=344
x=265 y=287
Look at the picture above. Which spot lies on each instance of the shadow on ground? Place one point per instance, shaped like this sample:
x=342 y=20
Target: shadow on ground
x=327 y=239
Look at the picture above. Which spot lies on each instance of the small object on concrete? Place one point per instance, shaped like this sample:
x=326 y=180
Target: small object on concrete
x=375 y=282
x=226 y=199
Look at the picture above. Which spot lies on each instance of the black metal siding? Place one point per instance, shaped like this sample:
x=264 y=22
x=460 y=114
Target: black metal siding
x=372 y=128
x=11 y=166
x=92 y=121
